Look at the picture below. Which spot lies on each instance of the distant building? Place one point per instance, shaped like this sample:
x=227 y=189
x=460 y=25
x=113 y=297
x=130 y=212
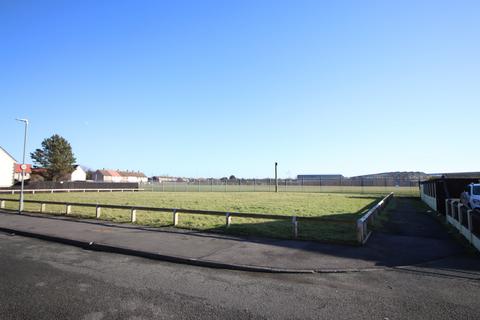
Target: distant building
x=19 y=174
x=119 y=176
x=7 y=166
x=163 y=179
x=319 y=176
x=78 y=174
x=131 y=176
x=107 y=176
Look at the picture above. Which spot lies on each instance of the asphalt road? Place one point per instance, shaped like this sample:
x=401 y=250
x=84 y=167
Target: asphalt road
x=43 y=280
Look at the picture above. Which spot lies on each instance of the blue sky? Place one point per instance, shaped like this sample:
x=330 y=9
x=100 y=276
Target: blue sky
x=213 y=88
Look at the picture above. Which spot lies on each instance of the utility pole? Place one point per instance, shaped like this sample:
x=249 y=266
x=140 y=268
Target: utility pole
x=276 y=177
x=24 y=166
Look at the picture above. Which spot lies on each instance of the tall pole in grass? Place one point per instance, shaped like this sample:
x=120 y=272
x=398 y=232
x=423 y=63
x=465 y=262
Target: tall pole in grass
x=23 y=167
x=276 y=177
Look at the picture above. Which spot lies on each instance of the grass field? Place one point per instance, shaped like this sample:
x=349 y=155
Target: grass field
x=337 y=206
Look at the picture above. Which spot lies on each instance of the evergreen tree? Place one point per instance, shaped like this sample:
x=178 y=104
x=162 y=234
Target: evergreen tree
x=56 y=156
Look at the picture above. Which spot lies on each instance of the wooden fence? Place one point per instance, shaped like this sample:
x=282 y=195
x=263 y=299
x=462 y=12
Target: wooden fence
x=294 y=220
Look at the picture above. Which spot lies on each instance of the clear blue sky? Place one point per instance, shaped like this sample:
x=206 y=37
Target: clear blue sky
x=213 y=88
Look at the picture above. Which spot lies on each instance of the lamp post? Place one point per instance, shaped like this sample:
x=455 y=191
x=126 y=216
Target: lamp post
x=23 y=167
x=276 y=177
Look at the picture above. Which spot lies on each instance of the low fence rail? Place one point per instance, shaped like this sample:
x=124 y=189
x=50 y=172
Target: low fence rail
x=228 y=215
x=33 y=191
x=465 y=220
x=363 y=233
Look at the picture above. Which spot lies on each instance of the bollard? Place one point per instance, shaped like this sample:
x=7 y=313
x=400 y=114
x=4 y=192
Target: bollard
x=228 y=219
x=42 y=207
x=294 y=227
x=175 y=217
x=98 y=211
x=134 y=215
x=2 y=204
x=68 y=209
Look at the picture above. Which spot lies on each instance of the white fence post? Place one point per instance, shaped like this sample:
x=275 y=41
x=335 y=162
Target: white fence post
x=175 y=217
x=294 y=227
x=360 y=232
x=68 y=209
x=228 y=219
x=98 y=211
x=133 y=215
x=460 y=212
x=42 y=207
x=2 y=204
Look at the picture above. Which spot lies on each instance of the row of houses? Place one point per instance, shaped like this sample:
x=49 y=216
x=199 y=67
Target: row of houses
x=11 y=172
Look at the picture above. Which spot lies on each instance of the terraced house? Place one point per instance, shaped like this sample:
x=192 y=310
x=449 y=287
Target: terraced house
x=119 y=176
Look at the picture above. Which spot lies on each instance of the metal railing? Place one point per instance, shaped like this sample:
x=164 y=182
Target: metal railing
x=176 y=211
x=465 y=220
x=363 y=233
x=345 y=185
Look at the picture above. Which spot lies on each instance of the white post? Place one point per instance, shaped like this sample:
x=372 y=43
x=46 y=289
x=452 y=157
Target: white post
x=460 y=212
x=42 y=207
x=469 y=217
x=360 y=232
x=98 y=211
x=294 y=227
x=2 y=204
x=175 y=217
x=68 y=209
x=228 y=219
x=133 y=215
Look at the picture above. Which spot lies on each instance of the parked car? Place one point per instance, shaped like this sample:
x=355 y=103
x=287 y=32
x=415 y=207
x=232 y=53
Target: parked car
x=471 y=196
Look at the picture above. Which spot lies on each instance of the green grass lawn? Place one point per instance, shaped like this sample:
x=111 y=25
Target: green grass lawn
x=337 y=206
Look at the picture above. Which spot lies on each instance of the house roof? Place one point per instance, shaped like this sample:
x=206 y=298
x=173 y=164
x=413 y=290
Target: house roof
x=109 y=173
x=8 y=154
x=132 y=174
x=117 y=173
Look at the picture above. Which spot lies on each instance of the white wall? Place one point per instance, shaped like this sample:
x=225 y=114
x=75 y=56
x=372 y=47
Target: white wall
x=6 y=169
x=78 y=175
x=430 y=201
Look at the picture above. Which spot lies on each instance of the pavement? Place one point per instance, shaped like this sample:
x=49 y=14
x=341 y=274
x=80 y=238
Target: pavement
x=411 y=237
x=48 y=280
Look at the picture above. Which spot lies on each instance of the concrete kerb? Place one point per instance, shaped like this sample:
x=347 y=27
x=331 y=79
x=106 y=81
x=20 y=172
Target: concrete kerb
x=89 y=245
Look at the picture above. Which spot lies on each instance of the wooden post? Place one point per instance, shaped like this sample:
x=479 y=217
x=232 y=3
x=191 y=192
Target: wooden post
x=294 y=227
x=42 y=207
x=68 y=209
x=2 y=204
x=175 y=217
x=133 y=215
x=228 y=219
x=98 y=211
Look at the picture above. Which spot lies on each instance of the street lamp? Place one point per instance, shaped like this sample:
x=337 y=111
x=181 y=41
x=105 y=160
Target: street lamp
x=24 y=166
